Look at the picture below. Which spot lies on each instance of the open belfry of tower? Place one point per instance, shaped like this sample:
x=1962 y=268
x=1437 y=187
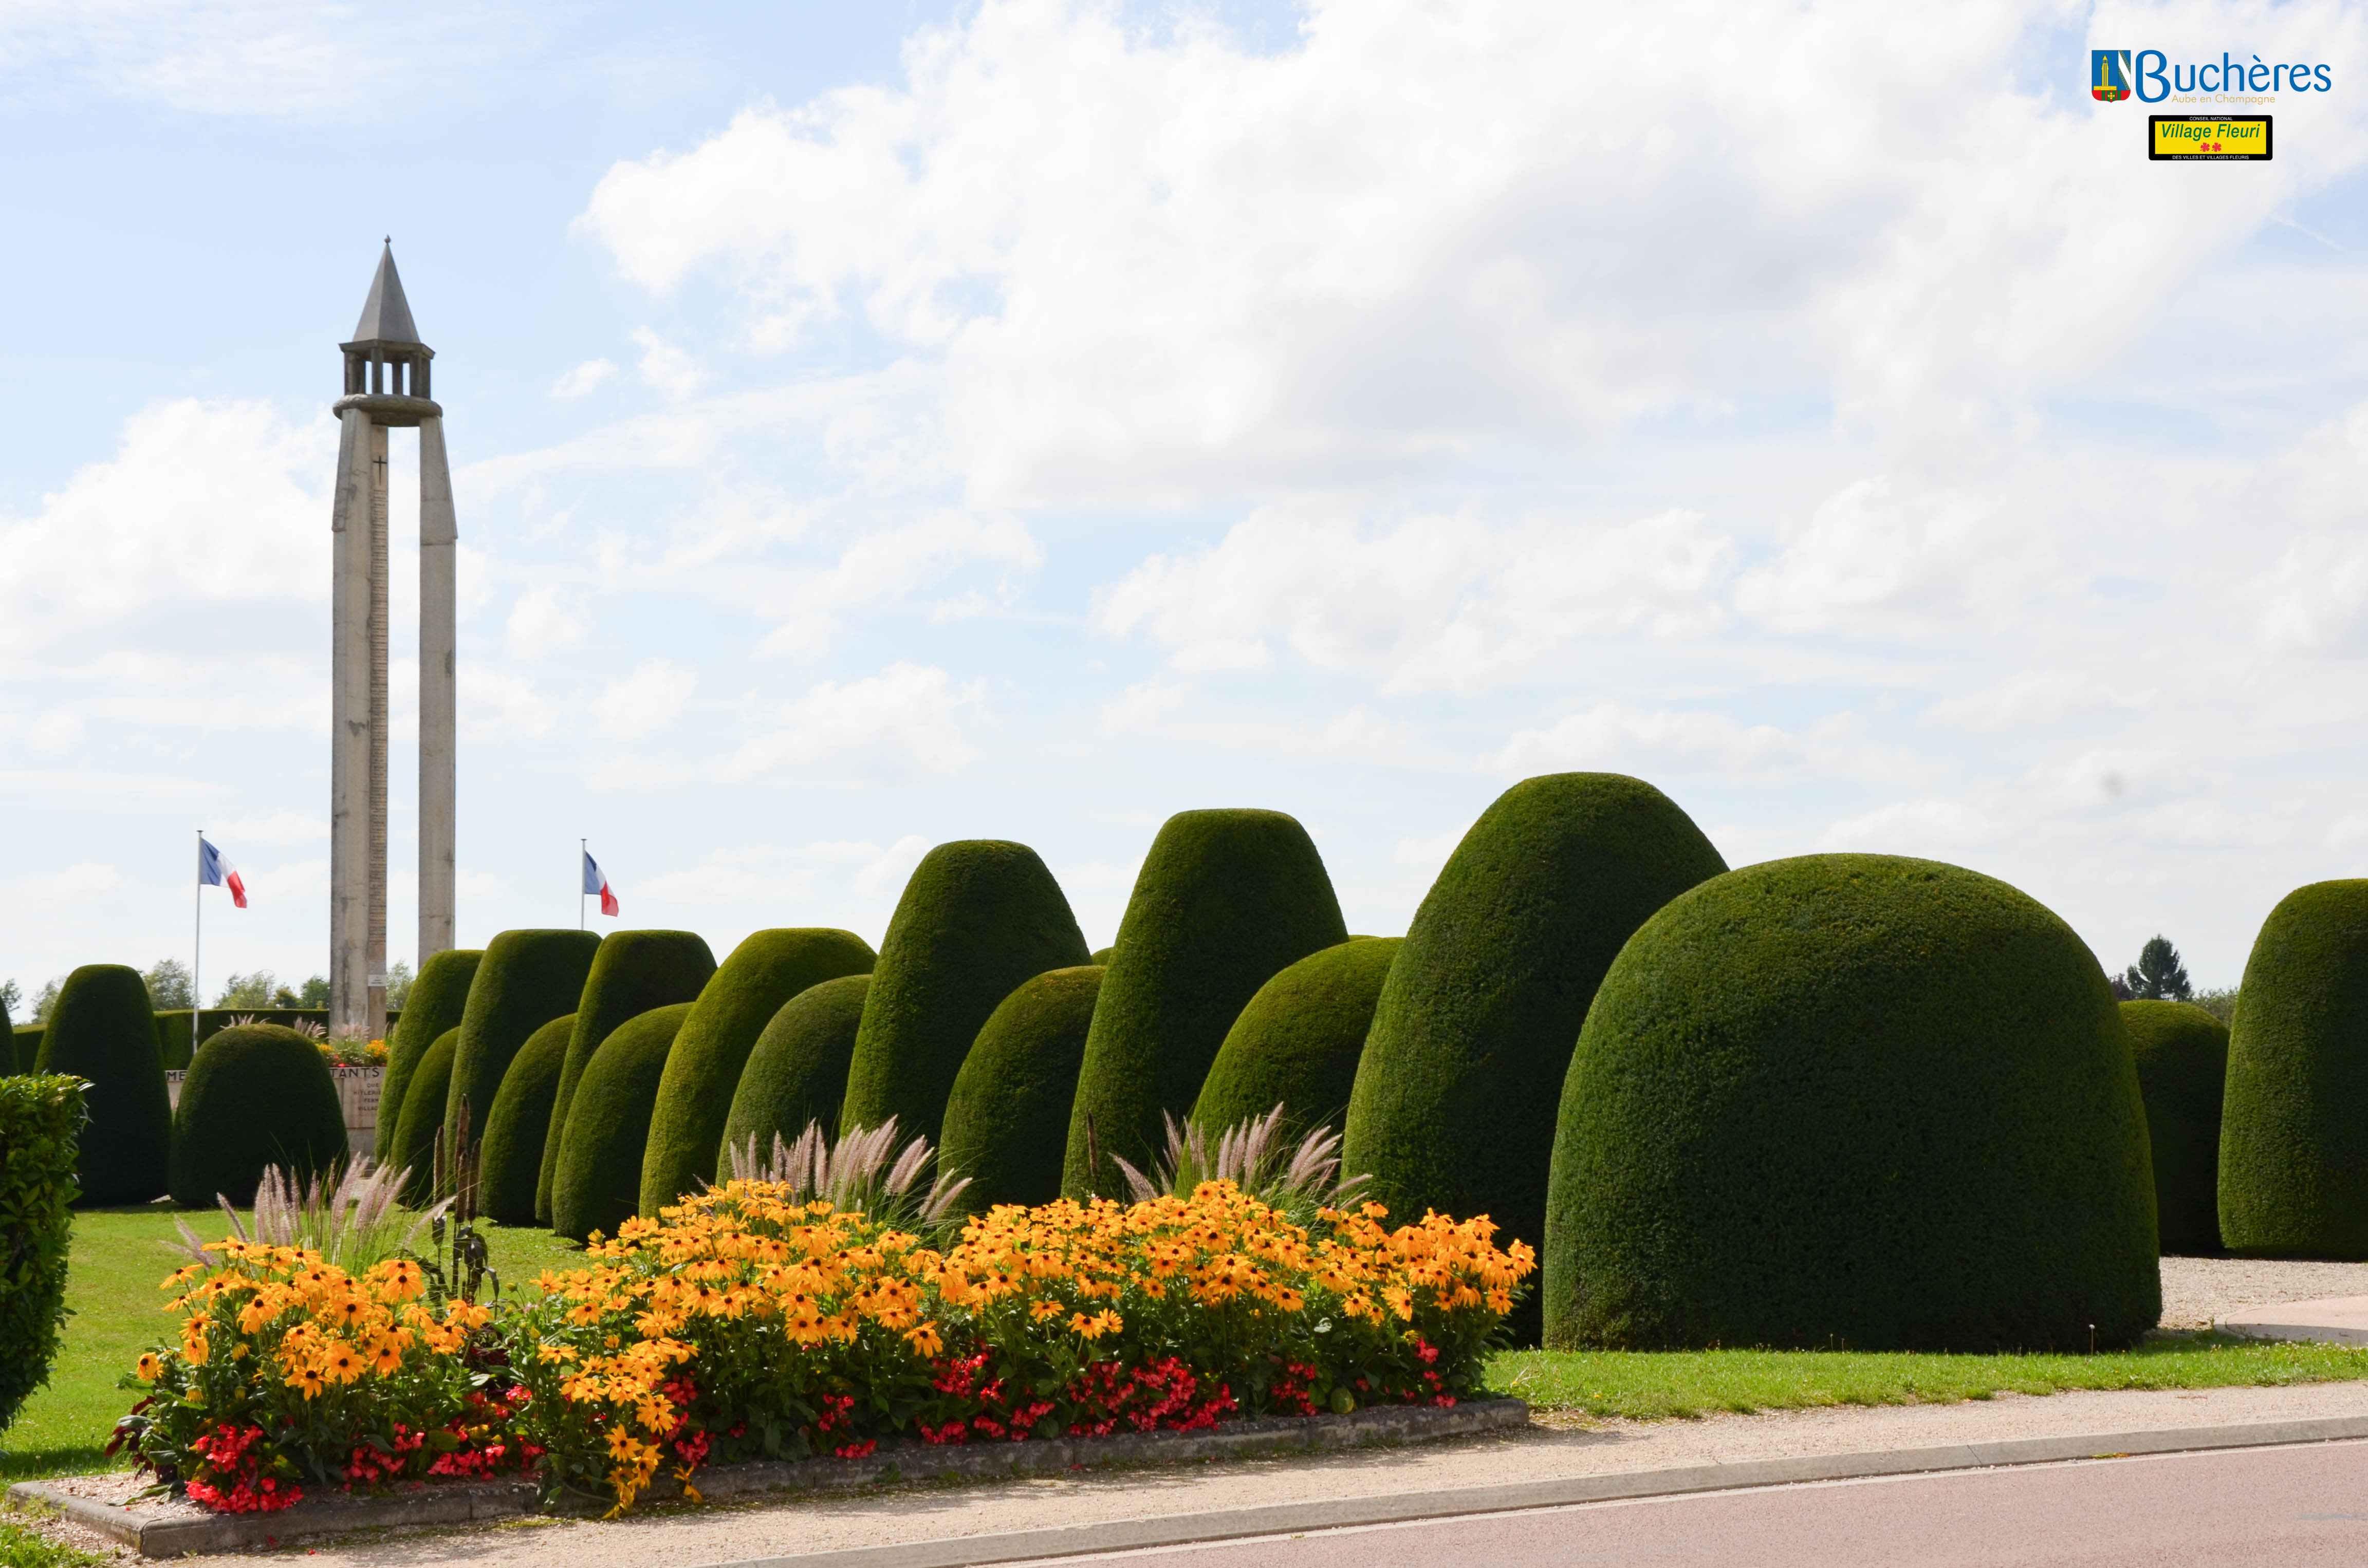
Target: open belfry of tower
x=387 y=384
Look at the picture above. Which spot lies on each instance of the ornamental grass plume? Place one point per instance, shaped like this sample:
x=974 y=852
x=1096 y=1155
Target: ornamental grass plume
x=347 y=1214
x=1250 y=1154
x=857 y=1174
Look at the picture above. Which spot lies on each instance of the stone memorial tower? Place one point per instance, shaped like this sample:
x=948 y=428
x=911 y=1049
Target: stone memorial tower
x=387 y=384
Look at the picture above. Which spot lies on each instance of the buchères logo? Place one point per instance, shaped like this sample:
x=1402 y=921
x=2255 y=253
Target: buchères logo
x=2148 y=75
x=2109 y=74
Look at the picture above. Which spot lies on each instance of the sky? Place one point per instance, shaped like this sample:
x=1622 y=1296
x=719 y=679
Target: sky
x=878 y=426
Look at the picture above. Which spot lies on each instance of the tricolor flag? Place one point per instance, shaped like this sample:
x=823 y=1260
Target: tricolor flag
x=215 y=870
x=595 y=883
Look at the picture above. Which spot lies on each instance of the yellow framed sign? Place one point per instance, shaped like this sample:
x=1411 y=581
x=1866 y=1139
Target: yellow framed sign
x=2208 y=138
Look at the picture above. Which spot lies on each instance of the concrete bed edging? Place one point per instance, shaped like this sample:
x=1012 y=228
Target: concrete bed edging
x=470 y=1502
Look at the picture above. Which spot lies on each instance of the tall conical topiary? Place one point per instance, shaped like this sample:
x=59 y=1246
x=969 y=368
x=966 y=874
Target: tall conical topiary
x=1297 y=1041
x=2181 y=1052
x=257 y=1095
x=526 y=979
x=599 y=1176
x=978 y=917
x=796 y=1071
x=510 y=1160
x=423 y=1117
x=1007 y=1117
x=704 y=1067
x=439 y=999
x=634 y=972
x=102 y=1028
x=1225 y=899
x=1453 y=1107
x=2293 y=1142
x=1852 y=1100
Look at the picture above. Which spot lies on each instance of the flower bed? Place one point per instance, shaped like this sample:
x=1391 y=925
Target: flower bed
x=744 y=1325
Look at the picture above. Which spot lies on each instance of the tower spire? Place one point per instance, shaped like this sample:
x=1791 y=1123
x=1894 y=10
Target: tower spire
x=386 y=314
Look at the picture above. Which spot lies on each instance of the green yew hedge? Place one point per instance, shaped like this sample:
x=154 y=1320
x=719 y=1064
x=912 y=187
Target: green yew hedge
x=797 y=1069
x=2181 y=1054
x=599 y=1176
x=633 y=972
x=1225 y=899
x=103 y=1031
x=1853 y=1099
x=510 y=1159
x=423 y=1118
x=703 y=1069
x=257 y=1095
x=40 y=1124
x=1007 y=1117
x=438 y=999
x=1297 y=1042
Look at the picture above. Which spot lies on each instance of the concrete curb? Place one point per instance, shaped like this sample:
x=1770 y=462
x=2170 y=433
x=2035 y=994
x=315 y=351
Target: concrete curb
x=1291 y=1519
x=468 y=1501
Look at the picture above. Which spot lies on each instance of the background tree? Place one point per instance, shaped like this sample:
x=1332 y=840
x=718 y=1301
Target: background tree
x=11 y=998
x=316 y=991
x=245 y=990
x=398 y=987
x=2158 y=976
x=46 y=998
x=168 y=984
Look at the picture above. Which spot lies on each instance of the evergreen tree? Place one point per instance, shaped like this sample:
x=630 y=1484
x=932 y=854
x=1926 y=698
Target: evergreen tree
x=2158 y=976
x=168 y=984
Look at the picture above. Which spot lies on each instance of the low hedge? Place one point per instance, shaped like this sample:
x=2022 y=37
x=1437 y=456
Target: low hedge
x=423 y=1118
x=510 y=1160
x=1225 y=899
x=438 y=999
x=1852 y=1100
x=257 y=1095
x=2181 y=1053
x=599 y=1179
x=1007 y=1117
x=633 y=972
x=704 y=1067
x=797 y=1069
x=1297 y=1041
x=41 y=1124
x=2294 y=1145
x=103 y=1031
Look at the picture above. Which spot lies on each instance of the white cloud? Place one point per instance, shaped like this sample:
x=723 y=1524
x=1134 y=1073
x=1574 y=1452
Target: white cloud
x=883 y=876
x=1617 y=737
x=906 y=722
x=87 y=879
x=56 y=732
x=544 y=620
x=281 y=826
x=665 y=368
x=584 y=379
x=880 y=567
x=497 y=703
x=644 y=701
x=2036 y=700
x=2314 y=598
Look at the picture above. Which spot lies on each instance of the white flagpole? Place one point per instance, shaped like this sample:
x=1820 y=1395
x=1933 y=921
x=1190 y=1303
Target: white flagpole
x=583 y=853
x=198 y=943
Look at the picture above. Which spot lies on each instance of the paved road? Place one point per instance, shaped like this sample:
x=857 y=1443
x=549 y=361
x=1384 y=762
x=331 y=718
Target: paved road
x=2296 y=1508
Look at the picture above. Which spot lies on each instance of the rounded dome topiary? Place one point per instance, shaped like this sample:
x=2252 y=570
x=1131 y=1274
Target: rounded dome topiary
x=2181 y=1054
x=1100 y=957
x=1852 y=1098
x=2294 y=1145
x=599 y=1177
x=797 y=1069
x=633 y=972
x=423 y=1117
x=510 y=1160
x=1297 y=1041
x=438 y=999
x=1007 y=1117
x=257 y=1095
x=978 y=917
x=703 y=1070
x=102 y=1030
x=1453 y=1107
x=526 y=979
x=1225 y=899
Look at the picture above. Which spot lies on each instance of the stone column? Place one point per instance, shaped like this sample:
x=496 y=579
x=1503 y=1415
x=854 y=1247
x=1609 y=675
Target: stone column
x=350 y=726
x=439 y=533
x=374 y=971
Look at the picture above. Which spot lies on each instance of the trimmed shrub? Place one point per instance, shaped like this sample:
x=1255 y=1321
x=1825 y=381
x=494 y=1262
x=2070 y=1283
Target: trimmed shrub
x=797 y=1069
x=510 y=1160
x=2294 y=1145
x=257 y=1095
x=40 y=1120
x=1100 y=957
x=2181 y=1055
x=1453 y=1107
x=525 y=980
x=1225 y=900
x=7 y=1043
x=102 y=1029
x=979 y=916
x=172 y=1027
x=1007 y=1117
x=703 y=1070
x=423 y=1117
x=633 y=972
x=1852 y=1098
x=438 y=999
x=599 y=1179
x=1297 y=1041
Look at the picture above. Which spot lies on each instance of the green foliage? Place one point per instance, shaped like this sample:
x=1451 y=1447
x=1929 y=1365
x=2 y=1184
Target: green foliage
x=1852 y=1100
x=2220 y=1002
x=704 y=1068
x=439 y=999
x=1008 y=1117
x=1297 y=1041
x=247 y=992
x=510 y=1160
x=102 y=1030
x=2293 y=1145
x=399 y=982
x=978 y=917
x=633 y=972
x=598 y=1183
x=1100 y=957
x=257 y=1095
x=1454 y=1101
x=1225 y=899
x=173 y=1027
x=21 y=1545
x=8 y=1039
x=2157 y=976
x=168 y=984
x=423 y=1117
x=797 y=1069
x=2181 y=1054
x=29 y=1045
x=40 y=1120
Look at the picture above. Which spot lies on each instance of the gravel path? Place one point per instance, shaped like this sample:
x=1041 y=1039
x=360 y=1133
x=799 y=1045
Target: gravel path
x=2199 y=1291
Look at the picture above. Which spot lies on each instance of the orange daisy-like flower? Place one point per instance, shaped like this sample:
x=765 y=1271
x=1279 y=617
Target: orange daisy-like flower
x=151 y=1366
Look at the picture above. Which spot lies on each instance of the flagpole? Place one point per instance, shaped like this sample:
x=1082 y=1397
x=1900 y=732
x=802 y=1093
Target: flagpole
x=583 y=851
x=198 y=941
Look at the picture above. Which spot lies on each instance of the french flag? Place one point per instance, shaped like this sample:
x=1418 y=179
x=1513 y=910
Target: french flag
x=595 y=883
x=215 y=870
